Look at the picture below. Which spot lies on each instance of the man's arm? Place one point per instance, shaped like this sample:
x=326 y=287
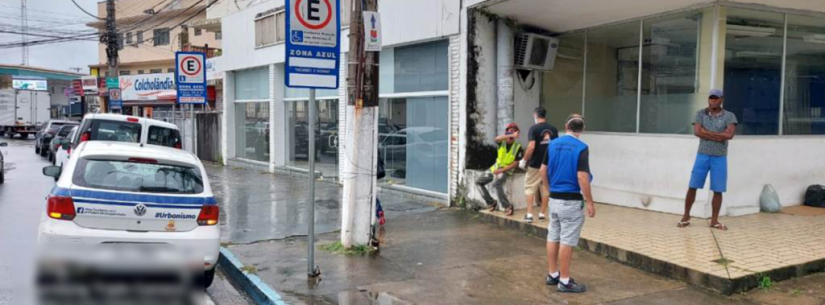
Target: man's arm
x=543 y=174
x=504 y=137
x=703 y=133
x=530 y=148
x=584 y=184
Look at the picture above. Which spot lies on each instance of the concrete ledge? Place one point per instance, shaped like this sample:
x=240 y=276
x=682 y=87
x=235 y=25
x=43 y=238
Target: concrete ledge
x=259 y=291
x=723 y=285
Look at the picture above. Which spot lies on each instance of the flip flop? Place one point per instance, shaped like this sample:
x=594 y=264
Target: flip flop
x=719 y=226
x=509 y=211
x=683 y=224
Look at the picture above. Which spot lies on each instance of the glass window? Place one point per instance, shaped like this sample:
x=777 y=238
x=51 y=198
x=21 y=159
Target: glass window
x=669 y=74
x=117 y=131
x=252 y=131
x=805 y=77
x=125 y=72
x=128 y=37
x=753 y=67
x=252 y=84
x=139 y=37
x=218 y=35
x=612 y=78
x=197 y=32
x=422 y=67
x=161 y=36
x=413 y=142
x=145 y=176
x=280 y=26
x=326 y=136
x=562 y=87
x=164 y=137
x=141 y=72
x=155 y=70
x=265 y=31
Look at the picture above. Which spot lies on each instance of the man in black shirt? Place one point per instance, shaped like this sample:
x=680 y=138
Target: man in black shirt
x=539 y=136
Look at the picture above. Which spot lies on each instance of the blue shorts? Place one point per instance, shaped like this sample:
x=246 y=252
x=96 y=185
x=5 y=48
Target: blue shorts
x=718 y=167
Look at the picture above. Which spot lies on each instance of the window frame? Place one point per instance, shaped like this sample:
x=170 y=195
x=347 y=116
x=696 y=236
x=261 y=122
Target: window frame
x=163 y=39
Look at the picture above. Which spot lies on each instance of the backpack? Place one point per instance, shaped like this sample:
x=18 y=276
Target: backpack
x=815 y=196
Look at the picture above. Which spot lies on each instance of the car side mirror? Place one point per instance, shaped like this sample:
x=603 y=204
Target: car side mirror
x=52 y=171
x=4 y=144
x=65 y=144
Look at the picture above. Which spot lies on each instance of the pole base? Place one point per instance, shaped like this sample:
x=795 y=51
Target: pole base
x=316 y=272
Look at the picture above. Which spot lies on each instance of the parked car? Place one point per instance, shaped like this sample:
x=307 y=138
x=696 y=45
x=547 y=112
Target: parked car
x=45 y=133
x=64 y=148
x=54 y=144
x=2 y=164
x=124 y=128
x=111 y=193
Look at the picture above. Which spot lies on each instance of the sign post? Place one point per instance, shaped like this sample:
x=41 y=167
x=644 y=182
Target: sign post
x=115 y=99
x=190 y=78
x=313 y=51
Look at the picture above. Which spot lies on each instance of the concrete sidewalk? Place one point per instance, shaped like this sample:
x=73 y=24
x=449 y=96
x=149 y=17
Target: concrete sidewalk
x=779 y=246
x=434 y=256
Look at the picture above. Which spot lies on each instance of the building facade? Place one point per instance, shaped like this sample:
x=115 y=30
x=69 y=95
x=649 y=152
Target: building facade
x=149 y=34
x=637 y=70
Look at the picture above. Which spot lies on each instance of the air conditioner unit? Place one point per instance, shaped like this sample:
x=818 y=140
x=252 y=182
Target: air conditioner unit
x=535 y=52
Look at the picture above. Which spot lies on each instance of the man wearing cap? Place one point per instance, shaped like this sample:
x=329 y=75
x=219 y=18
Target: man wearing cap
x=715 y=127
x=509 y=155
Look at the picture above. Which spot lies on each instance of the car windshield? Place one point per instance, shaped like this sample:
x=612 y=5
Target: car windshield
x=54 y=126
x=137 y=177
x=117 y=131
x=65 y=130
x=164 y=137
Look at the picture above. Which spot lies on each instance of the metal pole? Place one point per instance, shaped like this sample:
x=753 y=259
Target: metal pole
x=192 y=131
x=312 y=270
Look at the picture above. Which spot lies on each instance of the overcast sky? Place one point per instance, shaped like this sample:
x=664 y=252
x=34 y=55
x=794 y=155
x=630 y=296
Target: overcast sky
x=60 y=15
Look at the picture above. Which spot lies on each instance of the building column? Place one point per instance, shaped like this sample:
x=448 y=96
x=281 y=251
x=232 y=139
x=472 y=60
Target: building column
x=277 y=126
x=228 y=122
x=504 y=75
x=486 y=85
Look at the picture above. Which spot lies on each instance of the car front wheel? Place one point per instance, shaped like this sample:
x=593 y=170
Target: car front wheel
x=208 y=277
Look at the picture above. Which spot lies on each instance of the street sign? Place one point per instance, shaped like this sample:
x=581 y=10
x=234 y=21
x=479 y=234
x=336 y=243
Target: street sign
x=372 y=31
x=115 y=100
x=190 y=77
x=313 y=46
x=112 y=82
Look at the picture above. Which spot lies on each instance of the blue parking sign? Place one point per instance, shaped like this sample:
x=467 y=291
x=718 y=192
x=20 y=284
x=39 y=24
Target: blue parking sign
x=313 y=49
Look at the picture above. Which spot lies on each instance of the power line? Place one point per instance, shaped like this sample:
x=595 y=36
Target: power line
x=42 y=11
x=87 y=13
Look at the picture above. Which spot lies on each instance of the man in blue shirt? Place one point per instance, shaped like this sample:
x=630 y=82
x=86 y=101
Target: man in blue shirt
x=567 y=171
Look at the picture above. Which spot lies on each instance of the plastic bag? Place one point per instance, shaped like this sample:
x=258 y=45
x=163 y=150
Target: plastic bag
x=769 y=200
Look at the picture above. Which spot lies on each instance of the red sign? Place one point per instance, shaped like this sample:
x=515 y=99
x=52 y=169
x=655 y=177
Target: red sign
x=303 y=20
x=78 y=86
x=101 y=87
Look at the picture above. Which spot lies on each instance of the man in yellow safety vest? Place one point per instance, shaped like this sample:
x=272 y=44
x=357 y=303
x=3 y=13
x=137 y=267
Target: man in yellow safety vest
x=509 y=154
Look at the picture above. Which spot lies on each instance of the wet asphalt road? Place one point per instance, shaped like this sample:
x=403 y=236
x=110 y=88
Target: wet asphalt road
x=22 y=202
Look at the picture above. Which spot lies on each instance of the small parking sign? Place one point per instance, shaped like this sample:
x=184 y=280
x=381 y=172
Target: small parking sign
x=190 y=76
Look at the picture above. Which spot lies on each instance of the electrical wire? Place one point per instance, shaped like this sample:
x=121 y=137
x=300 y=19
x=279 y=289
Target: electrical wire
x=87 y=13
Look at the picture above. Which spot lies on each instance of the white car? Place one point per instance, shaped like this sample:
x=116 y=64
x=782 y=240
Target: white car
x=65 y=149
x=124 y=128
x=113 y=193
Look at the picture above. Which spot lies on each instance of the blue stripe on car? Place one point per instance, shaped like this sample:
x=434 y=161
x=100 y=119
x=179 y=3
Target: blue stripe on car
x=159 y=201
x=79 y=200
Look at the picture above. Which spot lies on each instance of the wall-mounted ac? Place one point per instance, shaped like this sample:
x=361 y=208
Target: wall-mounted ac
x=535 y=52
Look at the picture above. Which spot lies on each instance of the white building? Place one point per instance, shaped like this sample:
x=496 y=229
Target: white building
x=448 y=86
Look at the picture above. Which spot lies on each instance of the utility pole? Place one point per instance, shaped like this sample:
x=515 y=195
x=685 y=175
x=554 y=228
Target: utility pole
x=111 y=39
x=24 y=23
x=358 y=213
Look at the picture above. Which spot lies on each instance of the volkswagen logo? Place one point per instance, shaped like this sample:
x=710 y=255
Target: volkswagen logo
x=140 y=210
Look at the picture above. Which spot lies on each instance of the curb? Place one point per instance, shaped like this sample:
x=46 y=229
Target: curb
x=259 y=291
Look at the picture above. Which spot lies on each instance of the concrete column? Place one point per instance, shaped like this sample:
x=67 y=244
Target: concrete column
x=228 y=122
x=486 y=84
x=277 y=118
x=504 y=75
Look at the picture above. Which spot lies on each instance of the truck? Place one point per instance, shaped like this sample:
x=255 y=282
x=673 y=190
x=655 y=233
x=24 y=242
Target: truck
x=23 y=111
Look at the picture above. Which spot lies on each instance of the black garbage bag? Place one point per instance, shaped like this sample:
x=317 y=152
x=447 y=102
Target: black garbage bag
x=815 y=196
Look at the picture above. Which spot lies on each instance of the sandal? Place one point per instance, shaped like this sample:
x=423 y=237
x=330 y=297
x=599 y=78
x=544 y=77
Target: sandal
x=719 y=226
x=493 y=207
x=509 y=211
x=683 y=224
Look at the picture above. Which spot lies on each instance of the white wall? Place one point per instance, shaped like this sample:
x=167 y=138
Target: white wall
x=652 y=171
x=406 y=21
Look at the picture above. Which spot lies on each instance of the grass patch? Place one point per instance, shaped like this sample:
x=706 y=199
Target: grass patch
x=723 y=261
x=338 y=248
x=226 y=244
x=765 y=282
x=249 y=269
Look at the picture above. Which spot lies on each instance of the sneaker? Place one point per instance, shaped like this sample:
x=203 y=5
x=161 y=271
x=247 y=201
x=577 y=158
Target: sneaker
x=541 y=216
x=528 y=218
x=571 y=287
x=551 y=281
